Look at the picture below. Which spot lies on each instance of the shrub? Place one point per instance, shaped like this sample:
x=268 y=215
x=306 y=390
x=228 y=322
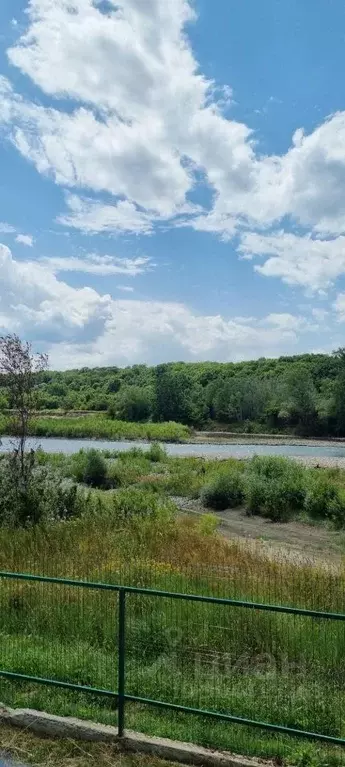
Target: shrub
x=115 y=475
x=282 y=501
x=156 y=453
x=225 y=491
x=336 y=509
x=320 y=493
x=275 y=467
x=95 y=472
x=255 y=489
x=42 y=496
x=77 y=466
x=274 y=487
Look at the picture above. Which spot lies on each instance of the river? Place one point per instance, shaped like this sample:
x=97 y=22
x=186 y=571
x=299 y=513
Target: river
x=207 y=450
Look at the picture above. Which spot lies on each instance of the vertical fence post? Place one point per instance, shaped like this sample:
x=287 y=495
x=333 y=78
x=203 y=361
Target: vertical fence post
x=121 y=662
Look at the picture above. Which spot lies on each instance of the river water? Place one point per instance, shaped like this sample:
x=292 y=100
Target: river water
x=68 y=446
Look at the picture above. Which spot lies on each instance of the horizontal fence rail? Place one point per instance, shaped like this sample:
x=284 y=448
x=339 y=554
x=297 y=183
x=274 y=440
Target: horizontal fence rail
x=121 y=696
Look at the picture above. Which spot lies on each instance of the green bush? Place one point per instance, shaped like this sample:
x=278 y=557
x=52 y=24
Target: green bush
x=255 y=490
x=225 y=491
x=115 y=475
x=38 y=495
x=282 y=500
x=320 y=494
x=274 y=487
x=336 y=509
x=275 y=467
x=77 y=465
x=156 y=453
x=95 y=473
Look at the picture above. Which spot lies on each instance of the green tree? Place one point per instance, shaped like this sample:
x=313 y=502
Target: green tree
x=133 y=404
x=21 y=367
x=178 y=397
x=339 y=394
x=301 y=398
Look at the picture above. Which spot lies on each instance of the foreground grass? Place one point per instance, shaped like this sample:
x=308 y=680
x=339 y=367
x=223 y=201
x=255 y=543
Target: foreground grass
x=35 y=751
x=100 y=427
x=259 y=665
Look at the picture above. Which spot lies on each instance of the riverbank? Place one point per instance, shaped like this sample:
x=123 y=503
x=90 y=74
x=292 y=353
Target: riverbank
x=98 y=426
x=318 y=455
x=242 y=438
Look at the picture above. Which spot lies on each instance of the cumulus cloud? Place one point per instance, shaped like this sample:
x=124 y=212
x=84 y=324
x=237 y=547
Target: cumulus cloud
x=147 y=118
x=154 y=331
x=145 y=127
x=25 y=239
x=79 y=326
x=37 y=303
x=298 y=260
x=93 y=263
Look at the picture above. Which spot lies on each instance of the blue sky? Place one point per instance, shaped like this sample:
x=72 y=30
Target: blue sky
x=172 y=178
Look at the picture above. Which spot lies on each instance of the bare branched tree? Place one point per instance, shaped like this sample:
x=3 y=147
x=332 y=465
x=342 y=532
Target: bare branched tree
x=20 y=366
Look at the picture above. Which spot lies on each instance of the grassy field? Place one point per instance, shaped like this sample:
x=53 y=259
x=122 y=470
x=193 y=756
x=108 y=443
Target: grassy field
x=99 y=426
x=275 y=668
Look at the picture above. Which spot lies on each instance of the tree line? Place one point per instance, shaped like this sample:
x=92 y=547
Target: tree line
x=303 y=394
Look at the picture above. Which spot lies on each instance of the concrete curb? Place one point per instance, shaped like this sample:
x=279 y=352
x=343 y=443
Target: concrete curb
x=78 y=729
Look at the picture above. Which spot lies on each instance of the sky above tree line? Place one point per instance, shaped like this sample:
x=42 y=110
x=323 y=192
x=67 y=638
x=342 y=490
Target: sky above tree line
x=172 y=178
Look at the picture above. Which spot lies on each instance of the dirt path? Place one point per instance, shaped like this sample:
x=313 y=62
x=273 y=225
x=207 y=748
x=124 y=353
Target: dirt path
x=296 y=540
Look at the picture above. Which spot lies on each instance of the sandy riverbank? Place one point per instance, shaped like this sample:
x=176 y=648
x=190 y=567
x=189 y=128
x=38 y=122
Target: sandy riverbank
x=231 y=438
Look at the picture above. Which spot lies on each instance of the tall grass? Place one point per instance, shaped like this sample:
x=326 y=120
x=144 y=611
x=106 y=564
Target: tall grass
x=100 y=427
x=276 y=668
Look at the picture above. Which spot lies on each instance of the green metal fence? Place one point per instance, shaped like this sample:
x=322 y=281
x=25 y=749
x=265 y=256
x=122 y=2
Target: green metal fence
x=318 y=625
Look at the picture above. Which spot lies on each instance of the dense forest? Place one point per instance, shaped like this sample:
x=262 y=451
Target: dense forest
x=303 y=394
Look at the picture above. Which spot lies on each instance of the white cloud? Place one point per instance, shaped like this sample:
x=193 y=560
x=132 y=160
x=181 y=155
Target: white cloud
x=34 y=300
x=125 y=288
x=156 y=118
x=93 y=263
x=25 y=239
x=152 y=332
x=81 y=150
x=79 y=326
x=285 y=321
x=92 y=216
x=314 y=177
x=6 y=228
x=297 y=260
x=339 y=306
x=117 y=58
x=145 y=127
